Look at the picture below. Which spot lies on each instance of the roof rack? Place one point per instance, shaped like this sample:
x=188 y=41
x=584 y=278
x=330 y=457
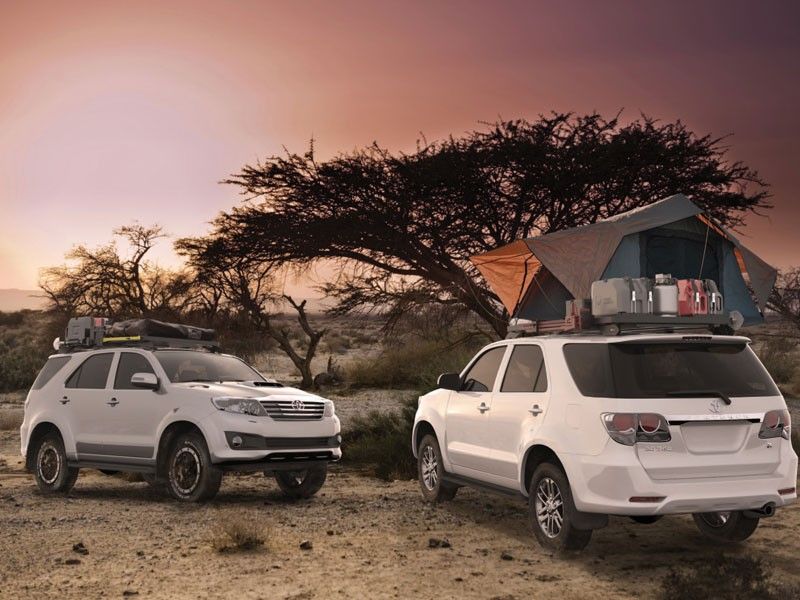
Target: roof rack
x=579 y=320
x=91 y=333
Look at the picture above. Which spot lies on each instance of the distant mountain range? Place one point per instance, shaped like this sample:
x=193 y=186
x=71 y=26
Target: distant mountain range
x=11 y=300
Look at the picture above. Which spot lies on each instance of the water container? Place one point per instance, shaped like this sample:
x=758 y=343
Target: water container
x=715 y=301
x=665 y=296
x=611 y=296
x=642 y=295
x=692 y=298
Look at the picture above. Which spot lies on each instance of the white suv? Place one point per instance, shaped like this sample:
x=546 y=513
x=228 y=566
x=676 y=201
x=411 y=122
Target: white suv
x=179 y=416
x=587 y=426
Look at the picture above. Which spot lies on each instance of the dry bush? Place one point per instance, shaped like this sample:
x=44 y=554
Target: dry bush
x=777 y=354
x=238 y=533
x=722 y=577
x=10 y=419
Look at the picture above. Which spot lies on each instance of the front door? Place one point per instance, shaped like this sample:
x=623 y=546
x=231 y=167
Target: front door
x=518 y=408
x=467 y=434
x=131 y=418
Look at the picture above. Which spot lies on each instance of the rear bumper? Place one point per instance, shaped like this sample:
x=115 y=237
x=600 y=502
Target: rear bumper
x=607 y=482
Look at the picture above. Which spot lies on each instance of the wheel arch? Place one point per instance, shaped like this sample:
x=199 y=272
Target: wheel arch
x=165 y=440
x=535 y=455
x=422 y=428
x=39 y=431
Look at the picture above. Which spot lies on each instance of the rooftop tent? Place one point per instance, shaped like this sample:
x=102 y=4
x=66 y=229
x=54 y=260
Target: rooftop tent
x=534 y=277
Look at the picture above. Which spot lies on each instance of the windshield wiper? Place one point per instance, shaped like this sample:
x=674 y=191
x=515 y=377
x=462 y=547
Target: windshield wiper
x=700 y=394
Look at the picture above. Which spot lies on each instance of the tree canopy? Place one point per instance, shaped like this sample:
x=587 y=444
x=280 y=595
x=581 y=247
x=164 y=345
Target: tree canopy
x=400 y=227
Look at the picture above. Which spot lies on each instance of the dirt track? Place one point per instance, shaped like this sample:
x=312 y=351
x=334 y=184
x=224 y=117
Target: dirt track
x=370 y=539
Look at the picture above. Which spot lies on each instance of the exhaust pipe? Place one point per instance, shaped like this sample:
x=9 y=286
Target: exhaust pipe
x=768 y=510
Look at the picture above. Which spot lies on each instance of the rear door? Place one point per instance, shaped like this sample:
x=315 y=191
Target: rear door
x=86 y=394
x=690 y=383
x=518 y=407
x=466 y=426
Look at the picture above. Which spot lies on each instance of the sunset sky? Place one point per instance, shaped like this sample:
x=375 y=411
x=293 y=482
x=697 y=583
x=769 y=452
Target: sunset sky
x=118 y=111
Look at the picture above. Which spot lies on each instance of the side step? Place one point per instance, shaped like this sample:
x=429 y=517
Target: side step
x=489 y=487
x=112 y=466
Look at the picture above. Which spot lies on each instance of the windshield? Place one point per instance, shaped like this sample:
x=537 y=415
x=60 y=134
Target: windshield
x=186 y=365
x=662 y=370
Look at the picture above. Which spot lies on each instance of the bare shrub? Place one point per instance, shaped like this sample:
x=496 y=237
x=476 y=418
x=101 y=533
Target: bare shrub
x=238 y=533
x=777 y=355
x=10 y=419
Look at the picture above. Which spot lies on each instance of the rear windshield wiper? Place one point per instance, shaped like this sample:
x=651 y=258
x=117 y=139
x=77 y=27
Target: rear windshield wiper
x=700 y=394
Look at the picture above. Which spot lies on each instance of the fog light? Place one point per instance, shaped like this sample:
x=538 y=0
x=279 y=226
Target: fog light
x=236 y=441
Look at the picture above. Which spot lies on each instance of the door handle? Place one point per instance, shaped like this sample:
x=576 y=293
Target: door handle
x=113 y=402
x=535 y=410
x=64 y=400
x=482 y=407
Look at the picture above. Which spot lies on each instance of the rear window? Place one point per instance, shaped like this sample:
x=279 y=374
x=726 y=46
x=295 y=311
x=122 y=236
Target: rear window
x=51 y=367
x=655 y=370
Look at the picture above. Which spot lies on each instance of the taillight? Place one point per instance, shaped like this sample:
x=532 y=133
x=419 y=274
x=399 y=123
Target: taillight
x=776 y=423
x=630 y=428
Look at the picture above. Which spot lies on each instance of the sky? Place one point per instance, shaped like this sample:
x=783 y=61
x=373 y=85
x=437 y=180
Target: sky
x=114 y=112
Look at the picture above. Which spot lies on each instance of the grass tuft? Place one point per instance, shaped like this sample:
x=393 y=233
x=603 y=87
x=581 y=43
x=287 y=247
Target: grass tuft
x=11 y=419
x=238 y=533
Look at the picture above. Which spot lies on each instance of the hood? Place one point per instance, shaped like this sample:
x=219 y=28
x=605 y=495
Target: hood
x=249 y=389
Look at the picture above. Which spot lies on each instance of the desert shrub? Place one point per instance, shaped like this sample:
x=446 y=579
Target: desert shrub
x=720 y=577
x=10 y=419
x=381 y=442
x=238 y=533
x=777 y=355
x=12 y=319
x=25 y=344
x=336 y=343
x=415 y=364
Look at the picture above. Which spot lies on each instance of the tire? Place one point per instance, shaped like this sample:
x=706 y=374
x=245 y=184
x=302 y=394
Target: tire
x=552 y=511
x=51 y=472
x=299 y=485
x=726 y=527
x=430 y=471
x=191 y=477
x=646 y=519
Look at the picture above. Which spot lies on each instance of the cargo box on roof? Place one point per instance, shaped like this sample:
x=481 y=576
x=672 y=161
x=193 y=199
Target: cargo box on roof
x=535 y=277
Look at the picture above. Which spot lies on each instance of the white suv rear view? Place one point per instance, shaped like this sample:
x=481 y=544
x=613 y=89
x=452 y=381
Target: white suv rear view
x=587 y=426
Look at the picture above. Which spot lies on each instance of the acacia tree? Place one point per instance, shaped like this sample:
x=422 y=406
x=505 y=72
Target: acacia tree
x=400 y=228
x=247 y=287
x=118 y=284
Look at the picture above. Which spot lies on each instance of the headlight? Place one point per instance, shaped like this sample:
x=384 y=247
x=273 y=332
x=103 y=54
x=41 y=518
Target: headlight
x=243 y=406
x=329 y=410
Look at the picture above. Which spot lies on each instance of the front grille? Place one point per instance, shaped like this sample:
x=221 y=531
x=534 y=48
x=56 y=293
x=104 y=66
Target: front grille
x=294 y=409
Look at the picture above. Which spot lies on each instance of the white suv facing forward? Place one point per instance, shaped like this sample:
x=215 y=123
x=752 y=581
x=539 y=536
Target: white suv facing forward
x=180 y=417
x=587 y=426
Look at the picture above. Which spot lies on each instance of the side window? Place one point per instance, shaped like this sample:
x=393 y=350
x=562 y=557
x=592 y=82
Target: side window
x=590 y=367
x=525 y=372
x=481 y=376
x=49 y=371
x=130 y=363
x=93 y=373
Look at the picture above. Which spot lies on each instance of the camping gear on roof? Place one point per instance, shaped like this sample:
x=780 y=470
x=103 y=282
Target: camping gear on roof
x=535 y=277
x=611 y=296
x=691 y=298
x=715 y=301
x=665 y=295
x=154 y=328
x=642 y=295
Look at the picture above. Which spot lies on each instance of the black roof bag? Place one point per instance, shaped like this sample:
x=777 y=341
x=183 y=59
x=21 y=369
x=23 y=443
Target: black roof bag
x=154 y=328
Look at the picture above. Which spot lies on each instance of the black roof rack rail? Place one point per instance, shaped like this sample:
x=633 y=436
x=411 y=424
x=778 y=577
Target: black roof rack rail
x=144 y=341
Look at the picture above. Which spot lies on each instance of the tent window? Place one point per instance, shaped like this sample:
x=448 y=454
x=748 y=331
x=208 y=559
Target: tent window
x=681 y=257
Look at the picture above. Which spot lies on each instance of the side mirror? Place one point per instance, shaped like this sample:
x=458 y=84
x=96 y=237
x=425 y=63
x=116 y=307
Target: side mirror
x=449 y=381
x=146 y=381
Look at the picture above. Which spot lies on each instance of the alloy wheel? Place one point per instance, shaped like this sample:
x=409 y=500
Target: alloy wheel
x=430 y=465
x=186 y=468
x=49 y=463
x=549 y=507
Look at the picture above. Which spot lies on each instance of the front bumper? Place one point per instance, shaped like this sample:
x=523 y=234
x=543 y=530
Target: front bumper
x=264 y=440
x=607 y=482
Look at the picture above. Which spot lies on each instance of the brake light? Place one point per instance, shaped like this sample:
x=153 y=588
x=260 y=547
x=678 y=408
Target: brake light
x=776 y=423
x=630 y=428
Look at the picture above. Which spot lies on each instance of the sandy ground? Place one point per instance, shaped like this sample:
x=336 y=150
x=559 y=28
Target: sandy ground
x=370 y=540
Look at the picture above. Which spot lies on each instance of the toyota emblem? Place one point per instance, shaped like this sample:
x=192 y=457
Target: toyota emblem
x=715 y=406
x=298 y=405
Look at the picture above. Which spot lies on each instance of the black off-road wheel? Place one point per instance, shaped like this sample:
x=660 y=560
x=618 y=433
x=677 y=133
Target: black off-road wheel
x=191 y=477
x=430 y=470
x=726 y=527
x=299 y=485
x=552 y=511
x=52 y=474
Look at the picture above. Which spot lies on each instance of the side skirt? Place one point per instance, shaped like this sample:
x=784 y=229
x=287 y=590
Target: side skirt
x=113 y=466
x=489 y=487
